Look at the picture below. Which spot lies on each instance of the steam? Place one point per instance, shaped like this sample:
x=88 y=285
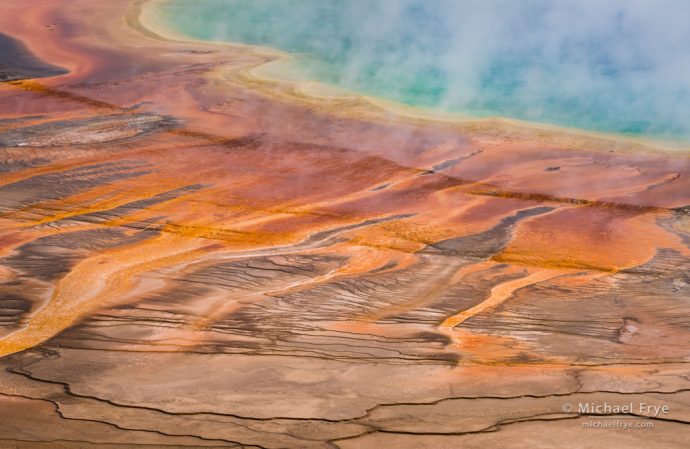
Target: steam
x=610 y=65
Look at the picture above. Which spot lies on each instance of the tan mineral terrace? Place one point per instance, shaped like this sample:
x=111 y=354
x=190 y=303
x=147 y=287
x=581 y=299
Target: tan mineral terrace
x=195 y=253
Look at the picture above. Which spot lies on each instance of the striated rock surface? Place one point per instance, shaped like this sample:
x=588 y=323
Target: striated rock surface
x=191 y=257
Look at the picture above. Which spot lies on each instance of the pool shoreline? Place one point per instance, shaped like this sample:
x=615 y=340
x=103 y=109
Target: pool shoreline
x=146 y=20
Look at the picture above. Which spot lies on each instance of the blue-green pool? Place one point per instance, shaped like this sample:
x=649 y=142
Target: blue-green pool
x=608 y=65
